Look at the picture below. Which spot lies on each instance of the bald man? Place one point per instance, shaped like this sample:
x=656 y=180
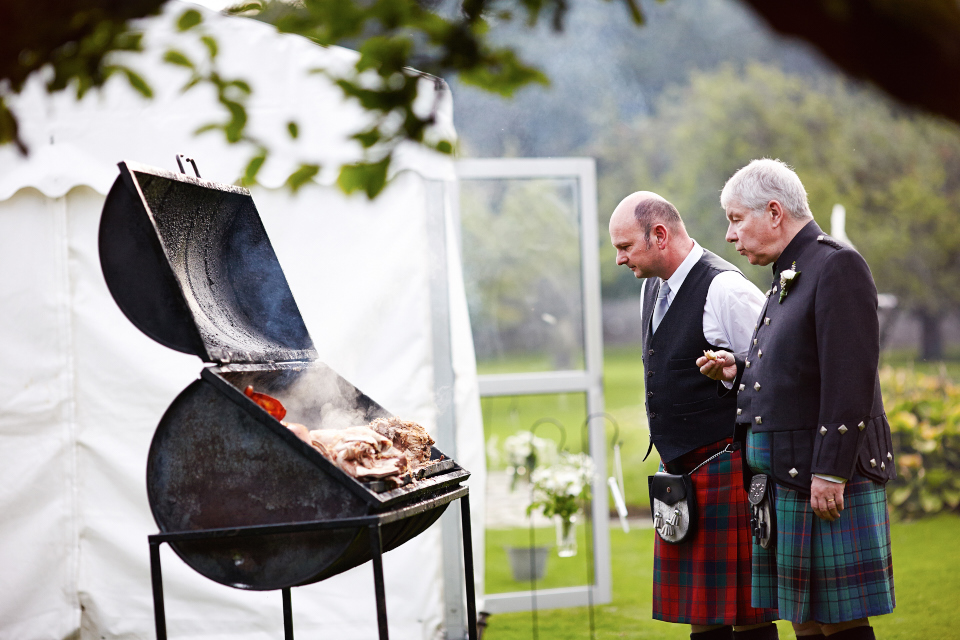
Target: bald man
x=694 y=301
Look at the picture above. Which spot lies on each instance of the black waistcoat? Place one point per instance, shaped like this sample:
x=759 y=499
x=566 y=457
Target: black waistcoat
x=685 y=409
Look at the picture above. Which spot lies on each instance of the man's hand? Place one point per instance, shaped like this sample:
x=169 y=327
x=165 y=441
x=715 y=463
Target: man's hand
x=826 y=498
x=721 y=367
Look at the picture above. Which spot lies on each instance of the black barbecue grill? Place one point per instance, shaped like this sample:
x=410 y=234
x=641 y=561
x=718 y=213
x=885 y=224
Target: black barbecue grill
x=238 y=496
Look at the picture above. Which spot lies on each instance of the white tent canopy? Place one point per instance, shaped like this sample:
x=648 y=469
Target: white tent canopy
x=84 y=388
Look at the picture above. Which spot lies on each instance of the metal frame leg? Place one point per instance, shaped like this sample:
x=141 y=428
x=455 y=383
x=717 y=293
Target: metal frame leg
x=468 y=567
x=287 y=615
x=376 y=546
x=156 y=578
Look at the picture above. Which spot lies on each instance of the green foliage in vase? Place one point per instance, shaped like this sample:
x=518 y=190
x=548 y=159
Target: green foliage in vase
x=559 y=488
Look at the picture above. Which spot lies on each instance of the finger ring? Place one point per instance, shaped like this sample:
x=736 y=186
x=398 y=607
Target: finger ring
x=831 y=500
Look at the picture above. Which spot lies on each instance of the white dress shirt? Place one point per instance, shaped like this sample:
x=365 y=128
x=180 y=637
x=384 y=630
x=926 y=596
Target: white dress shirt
x=732 y=308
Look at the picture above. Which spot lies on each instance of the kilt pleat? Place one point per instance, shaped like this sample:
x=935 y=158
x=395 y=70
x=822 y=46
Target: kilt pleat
x=707 y=579
x=829 y=572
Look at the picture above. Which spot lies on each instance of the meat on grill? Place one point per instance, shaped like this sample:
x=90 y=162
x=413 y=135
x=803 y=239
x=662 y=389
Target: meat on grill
x=368 y=452
x=387 y=448
x=407 y=436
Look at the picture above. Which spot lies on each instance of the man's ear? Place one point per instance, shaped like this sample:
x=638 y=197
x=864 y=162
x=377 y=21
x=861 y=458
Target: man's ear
x=660 y=235
x=776 y=213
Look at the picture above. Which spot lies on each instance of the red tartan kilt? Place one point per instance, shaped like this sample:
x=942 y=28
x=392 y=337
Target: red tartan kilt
x=707 y=579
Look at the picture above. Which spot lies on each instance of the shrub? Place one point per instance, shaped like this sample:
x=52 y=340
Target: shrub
x=924 y=415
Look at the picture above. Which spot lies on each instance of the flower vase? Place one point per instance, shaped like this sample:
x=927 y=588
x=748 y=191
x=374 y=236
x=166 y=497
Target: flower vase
x=566 y=536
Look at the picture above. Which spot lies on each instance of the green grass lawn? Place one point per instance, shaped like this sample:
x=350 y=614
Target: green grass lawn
x=926 y=553
x=926 y=560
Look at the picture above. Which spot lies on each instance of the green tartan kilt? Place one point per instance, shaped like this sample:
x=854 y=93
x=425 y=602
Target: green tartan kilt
x=829 y=572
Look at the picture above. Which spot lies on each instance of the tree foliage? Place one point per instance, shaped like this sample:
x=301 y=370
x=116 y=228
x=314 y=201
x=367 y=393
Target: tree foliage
x=73 y=38
x=393 y=37
x=896 y=172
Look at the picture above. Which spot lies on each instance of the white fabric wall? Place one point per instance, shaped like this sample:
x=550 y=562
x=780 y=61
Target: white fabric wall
x=84 y=389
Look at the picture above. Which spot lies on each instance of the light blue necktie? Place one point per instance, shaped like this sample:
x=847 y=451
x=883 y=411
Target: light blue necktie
x=662 y=304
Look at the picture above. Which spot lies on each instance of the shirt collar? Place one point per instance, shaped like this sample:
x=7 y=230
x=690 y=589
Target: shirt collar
x=676 y=280
x=795 y=247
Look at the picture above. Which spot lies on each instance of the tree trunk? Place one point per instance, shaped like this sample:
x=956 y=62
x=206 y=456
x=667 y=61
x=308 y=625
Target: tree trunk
x=931 y=336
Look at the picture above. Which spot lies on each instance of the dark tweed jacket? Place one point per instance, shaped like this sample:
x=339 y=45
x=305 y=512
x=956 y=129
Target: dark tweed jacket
x=811 y=374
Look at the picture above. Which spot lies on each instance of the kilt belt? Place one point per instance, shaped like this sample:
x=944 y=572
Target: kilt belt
x=829 y=572
x=707 y=580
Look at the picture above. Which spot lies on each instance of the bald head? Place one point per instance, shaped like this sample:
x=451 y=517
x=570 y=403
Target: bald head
x=647 y=209
x=641 y=220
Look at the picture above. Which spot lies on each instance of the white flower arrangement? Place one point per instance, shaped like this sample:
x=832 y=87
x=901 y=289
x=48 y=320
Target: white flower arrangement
x=558 y=488
x=525 y=452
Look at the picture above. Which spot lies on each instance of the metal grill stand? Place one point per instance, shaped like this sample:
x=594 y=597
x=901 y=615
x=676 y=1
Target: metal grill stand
x=372 y=522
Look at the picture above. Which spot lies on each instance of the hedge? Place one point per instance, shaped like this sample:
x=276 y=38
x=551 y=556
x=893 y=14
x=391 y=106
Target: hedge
x=924 y=415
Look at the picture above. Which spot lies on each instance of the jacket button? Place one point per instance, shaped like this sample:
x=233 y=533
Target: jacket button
x=650 y=353
x=889 y=456
x=652 y=415
x=842 y=429
x=649 y=394
x=739 y=411
x=823 y=430
x=873 y=462
x=747 y=364
x=649 y=374
x=861 y=426
x=793 y=472
x=766 y=321
x=742 y=387
x=756 y=386
x=759 y=420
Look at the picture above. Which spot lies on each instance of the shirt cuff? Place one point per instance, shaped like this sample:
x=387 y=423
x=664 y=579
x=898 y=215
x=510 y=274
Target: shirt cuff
x=728 y=385
x=836 y=479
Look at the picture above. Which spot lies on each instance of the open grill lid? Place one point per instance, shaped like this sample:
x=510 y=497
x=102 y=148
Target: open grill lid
x=189 y=263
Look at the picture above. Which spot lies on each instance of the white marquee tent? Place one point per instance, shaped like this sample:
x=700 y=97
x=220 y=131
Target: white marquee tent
x=83 y=389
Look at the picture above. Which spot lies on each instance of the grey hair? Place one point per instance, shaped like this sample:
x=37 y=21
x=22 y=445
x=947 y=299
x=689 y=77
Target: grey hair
x=761 y=181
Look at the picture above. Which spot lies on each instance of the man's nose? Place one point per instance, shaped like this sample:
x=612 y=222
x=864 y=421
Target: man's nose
x=731 y=234
x=621 y=258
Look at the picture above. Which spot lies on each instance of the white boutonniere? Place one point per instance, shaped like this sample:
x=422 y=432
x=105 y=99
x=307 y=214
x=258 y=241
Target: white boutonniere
x=787 y=278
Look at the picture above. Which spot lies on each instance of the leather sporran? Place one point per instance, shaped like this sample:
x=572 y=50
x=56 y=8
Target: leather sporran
x=673 y=501
x=764 y=517
x=673 y=504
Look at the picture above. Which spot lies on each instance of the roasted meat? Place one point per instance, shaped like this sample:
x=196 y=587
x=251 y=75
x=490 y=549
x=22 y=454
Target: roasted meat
x=407 y=436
